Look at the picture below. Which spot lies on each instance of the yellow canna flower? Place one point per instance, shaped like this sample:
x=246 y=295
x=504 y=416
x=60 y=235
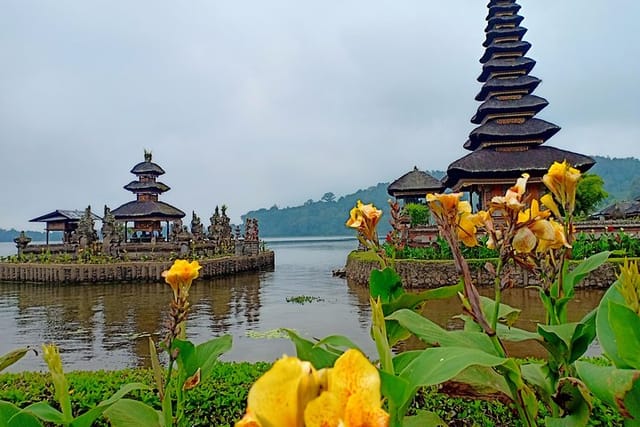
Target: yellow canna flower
x=365 y=218
x=524 y=240
x=278 y=398
x=557 y=241
x=180 y=276
x=562 y=181
x=548 y=201
x=442 y=204
x=449 y=209
x=352 y=398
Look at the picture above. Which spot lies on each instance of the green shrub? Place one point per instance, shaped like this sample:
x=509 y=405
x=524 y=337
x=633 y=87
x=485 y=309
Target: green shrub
x=419 y=214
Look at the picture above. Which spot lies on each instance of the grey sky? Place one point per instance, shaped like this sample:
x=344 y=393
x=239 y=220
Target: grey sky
x=255 y=103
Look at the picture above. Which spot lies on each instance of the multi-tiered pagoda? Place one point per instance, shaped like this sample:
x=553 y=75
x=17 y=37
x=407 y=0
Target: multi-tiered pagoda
x=509 y=139
x=147 y=212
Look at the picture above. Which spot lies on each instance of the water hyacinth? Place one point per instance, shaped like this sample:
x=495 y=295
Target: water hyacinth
x=294 y=394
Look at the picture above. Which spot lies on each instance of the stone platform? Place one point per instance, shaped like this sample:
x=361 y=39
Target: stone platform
x=130 y=271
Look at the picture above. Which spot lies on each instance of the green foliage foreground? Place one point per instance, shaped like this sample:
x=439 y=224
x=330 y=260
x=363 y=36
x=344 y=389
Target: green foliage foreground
x=220 y=400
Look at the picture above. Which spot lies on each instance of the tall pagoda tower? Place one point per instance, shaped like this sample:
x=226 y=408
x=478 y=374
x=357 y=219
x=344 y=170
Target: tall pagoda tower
x=509 y=139
x=147 y=212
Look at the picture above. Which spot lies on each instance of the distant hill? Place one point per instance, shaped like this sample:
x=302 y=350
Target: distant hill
x=36 y=236
x=327 y=217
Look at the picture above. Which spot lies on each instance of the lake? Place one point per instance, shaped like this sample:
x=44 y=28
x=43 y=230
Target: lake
x=105 y=326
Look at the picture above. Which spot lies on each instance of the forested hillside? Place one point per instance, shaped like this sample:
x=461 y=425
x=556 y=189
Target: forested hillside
x=326 y=217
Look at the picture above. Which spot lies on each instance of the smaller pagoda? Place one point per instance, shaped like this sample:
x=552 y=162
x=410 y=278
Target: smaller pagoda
x=413 y=186
x=146 y=212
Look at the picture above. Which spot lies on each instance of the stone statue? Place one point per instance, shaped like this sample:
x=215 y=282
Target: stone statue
x=111 y=234
x=251 y=230
x=86 y=233
x=197 y=230
x=21 y=242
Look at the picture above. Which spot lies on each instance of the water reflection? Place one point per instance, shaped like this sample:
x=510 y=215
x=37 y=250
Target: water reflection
x=105 y=326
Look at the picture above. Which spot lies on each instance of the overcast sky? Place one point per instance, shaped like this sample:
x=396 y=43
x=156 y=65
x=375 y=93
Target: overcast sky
x=256 y=103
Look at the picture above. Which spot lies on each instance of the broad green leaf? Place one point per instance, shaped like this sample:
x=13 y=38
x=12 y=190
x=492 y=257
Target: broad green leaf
x=504 y=332
x=208 y=352
x=87 y=419
x=337 y=341
x=12 y=416
x=619 y=388
x=434 y=335
x=306 y=350
x=583 y=336
x=575 y=402
x=625 y=325
x=13 y=356
x=580 y=271
x=538 y=375
x=386 y=284
x=397 y=390
x=568 y=341
x=412 y=300
x=46 y=412
x=187 y=358
x=604 y=332
x=156 y=367
x=128 y=413
x=506 y=314
x=424 y=419
x=483 y=381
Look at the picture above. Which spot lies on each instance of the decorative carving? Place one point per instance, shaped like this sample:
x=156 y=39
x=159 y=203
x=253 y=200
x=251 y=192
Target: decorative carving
x=21 y=242
x=86 y=233
x=197 y=229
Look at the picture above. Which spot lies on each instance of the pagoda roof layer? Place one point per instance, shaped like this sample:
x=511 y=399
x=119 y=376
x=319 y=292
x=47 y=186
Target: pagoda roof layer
x=415 y=182
x=527 y=104
x=532 y=129
x=515 y=33
x=147 y=168
x=509 y=84
x=138 y=210
x=495 y=2
x=518 y=65
x=64 y=215
x=514 y=20
x=148 y=187
x=520 y=47
x=491 y=163
x=498 y=9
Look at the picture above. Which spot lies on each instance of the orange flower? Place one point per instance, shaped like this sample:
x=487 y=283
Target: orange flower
x=512 y=200
x=180 y=276
x=449 y=209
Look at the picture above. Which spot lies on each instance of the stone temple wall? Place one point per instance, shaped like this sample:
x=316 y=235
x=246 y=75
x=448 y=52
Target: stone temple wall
x=432 y=274
x=134 y=271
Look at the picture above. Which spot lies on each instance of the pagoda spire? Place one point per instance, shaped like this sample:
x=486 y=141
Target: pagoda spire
x=509 y=138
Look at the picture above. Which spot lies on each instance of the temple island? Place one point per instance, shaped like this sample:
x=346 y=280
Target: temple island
x=137 y=241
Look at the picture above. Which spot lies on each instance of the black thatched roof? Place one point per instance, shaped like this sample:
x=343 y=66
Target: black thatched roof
x=499 y=33
x=520 y=64
x=139 y=210
x=496 y=9
x=520 y=83
x=415 y=183
x=617 y=210
x=147 y=187
x=495 y=2
x=64 y=215
x=491 y=163
x=532 y=129
x=527 y=104
x=521 y=47
x=514 y=20
x=147 y=168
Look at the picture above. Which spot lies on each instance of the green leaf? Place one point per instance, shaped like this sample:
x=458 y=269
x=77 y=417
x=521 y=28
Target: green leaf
x=412 y=300
x=424 y=419
x=580 y=271
x=604 y=332
x=13 y=356
x=618 y=388
x=339 y=341
x=187 y=358
x=397 y=390
x=306 y=350
x=208 y=352
x=538 y=375
x=434 y=335
x=574 y=400
x=87 y=419
x=47 y=413
x=128 y=413
x=625 y=325
x=567 y=342
x=386 y=284
x=506 y=314
x=12 y=416
x=156 y=367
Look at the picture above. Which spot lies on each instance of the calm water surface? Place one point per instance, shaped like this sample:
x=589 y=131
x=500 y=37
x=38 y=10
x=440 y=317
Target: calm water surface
x=105 y=326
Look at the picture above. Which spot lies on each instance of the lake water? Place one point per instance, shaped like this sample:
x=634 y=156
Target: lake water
x=105 y=326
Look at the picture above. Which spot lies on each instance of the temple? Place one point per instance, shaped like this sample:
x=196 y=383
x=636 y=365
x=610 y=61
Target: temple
x=146 y=212
x=413 y=186
x=509 y=138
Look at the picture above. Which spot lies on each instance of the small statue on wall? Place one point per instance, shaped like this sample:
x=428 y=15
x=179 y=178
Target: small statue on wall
x=86 y=232
x=197 y=229
x=251 y=230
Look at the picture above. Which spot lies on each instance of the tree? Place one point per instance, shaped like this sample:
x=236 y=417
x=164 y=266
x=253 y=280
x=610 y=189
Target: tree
x=328 y=197
x=589 y=194
x=309 y=202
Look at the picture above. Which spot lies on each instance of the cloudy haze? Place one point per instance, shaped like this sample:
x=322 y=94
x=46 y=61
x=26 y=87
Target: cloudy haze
x=256 y=103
